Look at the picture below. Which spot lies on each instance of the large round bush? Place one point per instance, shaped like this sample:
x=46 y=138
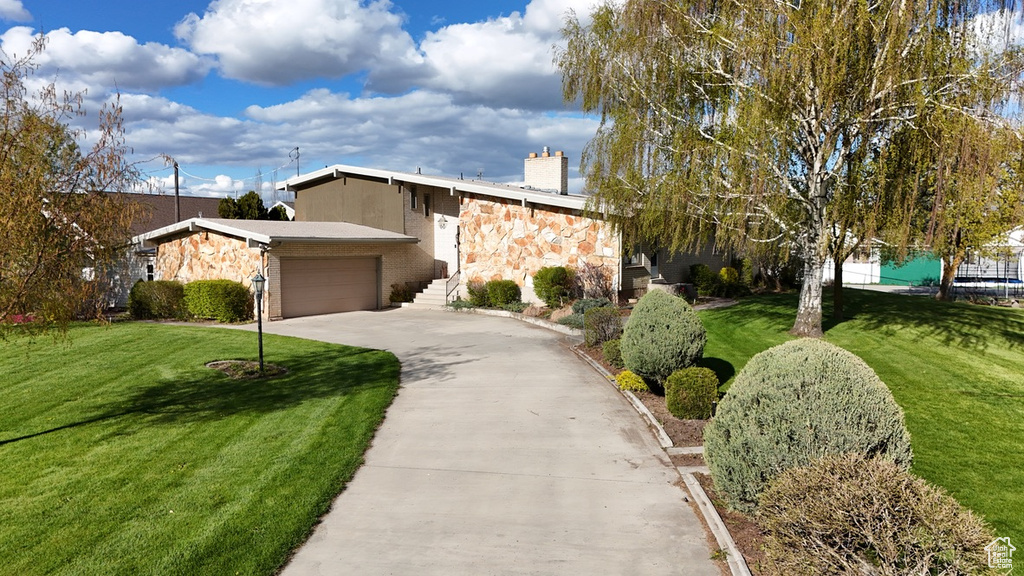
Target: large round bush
x=663 y=334
x=793 y=404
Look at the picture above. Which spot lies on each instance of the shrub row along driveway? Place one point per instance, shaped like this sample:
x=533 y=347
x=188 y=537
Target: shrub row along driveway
x=502 y=454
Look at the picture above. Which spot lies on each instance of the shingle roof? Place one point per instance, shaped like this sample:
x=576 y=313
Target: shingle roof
x=507 y=191
x=159 y=209
x=266 y=232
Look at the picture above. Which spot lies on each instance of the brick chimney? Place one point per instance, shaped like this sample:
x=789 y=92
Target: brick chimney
x=547 y=172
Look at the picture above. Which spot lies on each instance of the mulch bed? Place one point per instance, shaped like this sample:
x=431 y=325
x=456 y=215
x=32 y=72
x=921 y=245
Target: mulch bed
x=682 y=432
x=744 y=531
x=246 y=369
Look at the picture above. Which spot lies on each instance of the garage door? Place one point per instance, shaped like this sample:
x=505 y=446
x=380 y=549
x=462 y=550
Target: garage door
x=325 y=285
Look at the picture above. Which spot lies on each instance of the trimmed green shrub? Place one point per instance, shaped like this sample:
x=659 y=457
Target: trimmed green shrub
x=157 y=299
x=707 y=282
x=601 y=325
x=553 y=285
x=583 y=304
x=690 y=392
x=501 y=293
x=612 y=353
x=729 y=275
x=663 y=334
x=845 y=513
x=572 y=321
x=477 y=291
x=220 y=300
x=793 y=404
x=632 y=382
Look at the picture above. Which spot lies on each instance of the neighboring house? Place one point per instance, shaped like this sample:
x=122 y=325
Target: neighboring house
x=1003 y=264
x=424 y=228
x=157 y=211
x=289 y=208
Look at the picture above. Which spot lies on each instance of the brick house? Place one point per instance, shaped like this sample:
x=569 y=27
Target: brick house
x=416 y=229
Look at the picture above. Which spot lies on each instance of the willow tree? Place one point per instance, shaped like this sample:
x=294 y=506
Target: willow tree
x=60 y=232
x=739 y=120
x=975 y=196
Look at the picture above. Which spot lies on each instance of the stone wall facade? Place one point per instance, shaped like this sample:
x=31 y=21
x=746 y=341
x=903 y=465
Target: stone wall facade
x=501 y=239
x=206 y=256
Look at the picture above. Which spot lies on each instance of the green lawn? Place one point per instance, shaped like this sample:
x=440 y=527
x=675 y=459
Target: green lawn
x=122 y=454
x=956 y=369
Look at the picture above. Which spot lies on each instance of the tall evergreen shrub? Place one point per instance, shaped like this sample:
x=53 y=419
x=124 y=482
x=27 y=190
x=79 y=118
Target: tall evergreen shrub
x=793 y=404
x=662 y=335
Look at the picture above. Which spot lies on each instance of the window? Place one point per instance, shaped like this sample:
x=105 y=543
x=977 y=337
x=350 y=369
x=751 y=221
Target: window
x=426 y=205
x=412 y=199
x=149 y=272
x=634 y=259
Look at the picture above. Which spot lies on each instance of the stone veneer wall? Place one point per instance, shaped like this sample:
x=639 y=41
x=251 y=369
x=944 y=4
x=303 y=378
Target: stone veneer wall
x=207 y=256
x=501 y=239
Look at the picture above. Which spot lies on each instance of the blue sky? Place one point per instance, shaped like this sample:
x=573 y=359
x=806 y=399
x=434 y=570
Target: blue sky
x=230 y=87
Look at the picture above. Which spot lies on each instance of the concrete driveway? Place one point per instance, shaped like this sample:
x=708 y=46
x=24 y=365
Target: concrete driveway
x=502 y=454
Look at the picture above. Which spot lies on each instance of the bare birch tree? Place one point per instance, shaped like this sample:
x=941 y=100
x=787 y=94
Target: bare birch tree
x=739 y=120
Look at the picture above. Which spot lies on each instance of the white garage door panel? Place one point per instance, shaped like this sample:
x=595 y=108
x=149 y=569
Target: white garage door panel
x=326 y=285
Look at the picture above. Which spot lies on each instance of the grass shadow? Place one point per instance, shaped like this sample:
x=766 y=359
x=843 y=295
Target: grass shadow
x=722 y=368
x=960 y=325
x=202 y=394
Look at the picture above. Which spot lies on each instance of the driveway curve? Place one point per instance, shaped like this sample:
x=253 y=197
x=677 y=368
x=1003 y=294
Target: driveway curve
x=503 y=453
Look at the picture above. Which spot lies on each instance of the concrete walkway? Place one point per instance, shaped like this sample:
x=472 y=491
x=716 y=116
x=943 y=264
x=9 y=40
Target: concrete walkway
x=502 y=454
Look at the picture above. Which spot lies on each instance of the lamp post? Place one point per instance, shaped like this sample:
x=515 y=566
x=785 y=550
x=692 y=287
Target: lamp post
x=257 y=283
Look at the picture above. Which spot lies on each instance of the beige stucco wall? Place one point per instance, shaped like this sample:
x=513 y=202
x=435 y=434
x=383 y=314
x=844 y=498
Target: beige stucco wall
x=502 y=239
x=366 y=202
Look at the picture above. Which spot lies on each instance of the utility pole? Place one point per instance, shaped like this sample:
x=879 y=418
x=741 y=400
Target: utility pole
x=177 y=199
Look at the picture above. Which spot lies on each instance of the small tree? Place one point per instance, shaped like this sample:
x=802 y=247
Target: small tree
x=249 y=207
x=60 y=233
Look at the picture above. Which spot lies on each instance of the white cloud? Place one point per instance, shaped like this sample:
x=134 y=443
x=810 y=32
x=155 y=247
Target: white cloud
x=422 y=129
x=14 y=11
x=276 y=43
x=107 y=59
x=504 y=62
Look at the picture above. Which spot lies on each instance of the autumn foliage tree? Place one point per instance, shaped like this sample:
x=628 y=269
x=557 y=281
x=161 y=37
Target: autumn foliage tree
x=61 y=232
x=758 y=122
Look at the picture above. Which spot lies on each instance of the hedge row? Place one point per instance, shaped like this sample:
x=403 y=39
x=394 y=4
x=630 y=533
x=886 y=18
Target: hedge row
x=221 y=300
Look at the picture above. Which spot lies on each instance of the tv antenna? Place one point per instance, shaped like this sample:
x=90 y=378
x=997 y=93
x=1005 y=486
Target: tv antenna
x=294 y=155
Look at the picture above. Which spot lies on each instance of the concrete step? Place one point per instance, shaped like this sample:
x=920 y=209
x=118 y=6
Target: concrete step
x=434 y=294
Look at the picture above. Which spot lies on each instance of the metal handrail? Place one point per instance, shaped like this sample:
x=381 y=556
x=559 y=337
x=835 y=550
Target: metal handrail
x=451 y=286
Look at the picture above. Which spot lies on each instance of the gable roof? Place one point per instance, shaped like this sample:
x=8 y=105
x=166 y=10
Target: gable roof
x=266 y=232
x=159 y=209
x=506 y=191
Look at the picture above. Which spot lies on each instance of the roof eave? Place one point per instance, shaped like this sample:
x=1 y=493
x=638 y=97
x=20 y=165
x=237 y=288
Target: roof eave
x=494 y=189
